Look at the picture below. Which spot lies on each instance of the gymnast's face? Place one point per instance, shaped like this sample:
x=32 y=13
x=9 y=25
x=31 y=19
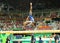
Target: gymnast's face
x=28 y=18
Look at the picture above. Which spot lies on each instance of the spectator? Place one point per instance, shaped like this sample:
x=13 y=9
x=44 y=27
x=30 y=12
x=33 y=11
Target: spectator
x=40 y=41
x=8 y=40
x=33 y=40
x=56 y=38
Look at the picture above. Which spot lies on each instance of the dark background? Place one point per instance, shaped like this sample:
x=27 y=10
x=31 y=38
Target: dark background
x=37 y=4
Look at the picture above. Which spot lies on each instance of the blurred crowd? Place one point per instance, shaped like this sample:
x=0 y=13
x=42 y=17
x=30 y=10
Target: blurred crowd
x=15 y=22
x=10 y=26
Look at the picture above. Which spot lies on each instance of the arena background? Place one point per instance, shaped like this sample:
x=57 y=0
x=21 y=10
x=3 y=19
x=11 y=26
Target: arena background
x=14 y=12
